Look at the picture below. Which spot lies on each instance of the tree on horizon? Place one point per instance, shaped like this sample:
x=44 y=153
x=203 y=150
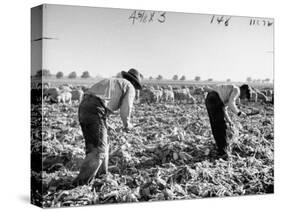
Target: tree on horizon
x=119 y=75
x=85 y=75
x=159 y=77
x=249 y=79
x=59 y=75
x=175 y=77
x=183 y=78
x=43 y=73
x=72 y=75
x=197 y=78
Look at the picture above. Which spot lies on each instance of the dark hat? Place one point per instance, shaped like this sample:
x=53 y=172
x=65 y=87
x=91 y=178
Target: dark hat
x=245 y=86
x=134 y=77
x=245 y=91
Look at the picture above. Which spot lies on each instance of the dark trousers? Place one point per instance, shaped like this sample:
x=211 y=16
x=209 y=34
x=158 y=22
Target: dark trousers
x=215 y=108
x=92 y=117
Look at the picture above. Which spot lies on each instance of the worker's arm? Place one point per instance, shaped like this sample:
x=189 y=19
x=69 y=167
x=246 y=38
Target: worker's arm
x=127 y=106
x=227 y=116
x=232 y=100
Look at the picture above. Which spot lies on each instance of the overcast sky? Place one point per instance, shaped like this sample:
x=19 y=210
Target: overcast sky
x=105 y=41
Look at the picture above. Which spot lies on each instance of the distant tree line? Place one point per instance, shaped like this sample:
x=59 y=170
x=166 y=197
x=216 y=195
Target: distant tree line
x=198 y=78
x=86 y=74
x=60 y=74
x=176 y=77
x=250 y=80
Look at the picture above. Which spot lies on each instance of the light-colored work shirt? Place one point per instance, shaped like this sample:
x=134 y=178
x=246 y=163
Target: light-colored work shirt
x=228 y=94
x=117 y=93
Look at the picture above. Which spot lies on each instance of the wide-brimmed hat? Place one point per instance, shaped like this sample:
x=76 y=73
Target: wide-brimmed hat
x=133 y=76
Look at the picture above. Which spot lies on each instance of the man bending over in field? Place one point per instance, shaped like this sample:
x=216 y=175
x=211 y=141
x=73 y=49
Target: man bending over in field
x=218 y=99
x=101 y=99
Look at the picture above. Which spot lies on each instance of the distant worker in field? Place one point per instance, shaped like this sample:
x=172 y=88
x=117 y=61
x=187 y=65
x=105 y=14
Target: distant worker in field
x=98 y=102
x=218 y=100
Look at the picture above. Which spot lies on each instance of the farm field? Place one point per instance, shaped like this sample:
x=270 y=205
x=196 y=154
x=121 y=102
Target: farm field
x=90 y=81
x=170 y=154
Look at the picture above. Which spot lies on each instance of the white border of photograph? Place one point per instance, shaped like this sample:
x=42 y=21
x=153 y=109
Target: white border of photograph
x=15 y=107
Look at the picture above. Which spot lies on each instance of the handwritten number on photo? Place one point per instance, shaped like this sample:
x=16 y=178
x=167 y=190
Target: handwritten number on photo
x=226 y=23
x=220 y=19
x=258 y=22
x=133 y=16
x=212 y=19
x=151 y=16
x=269 y=23
x=143 y=16
x=162 y=18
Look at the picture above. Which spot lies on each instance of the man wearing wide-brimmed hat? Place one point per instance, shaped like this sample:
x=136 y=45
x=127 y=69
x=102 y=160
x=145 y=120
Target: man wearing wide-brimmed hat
x=100 y=100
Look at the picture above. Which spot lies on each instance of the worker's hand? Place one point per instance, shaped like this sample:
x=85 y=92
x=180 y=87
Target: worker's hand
x=110 y=128
x=128 y=127
x=243 y=115
x=230 y=123
x=228 y=120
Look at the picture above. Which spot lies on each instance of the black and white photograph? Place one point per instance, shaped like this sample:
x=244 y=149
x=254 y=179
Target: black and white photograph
x=133 y=105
